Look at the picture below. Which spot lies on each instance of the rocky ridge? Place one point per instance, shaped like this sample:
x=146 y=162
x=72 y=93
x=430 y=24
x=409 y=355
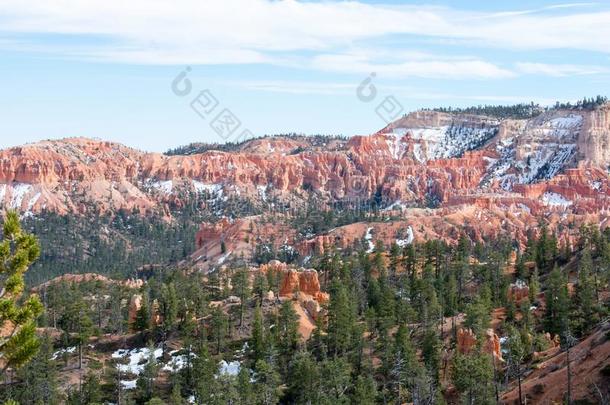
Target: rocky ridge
x=556 y=162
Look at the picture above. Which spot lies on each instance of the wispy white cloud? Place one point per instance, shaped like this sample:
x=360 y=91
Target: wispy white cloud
x=296 y=87
x=561 y=70
x=315 y=35
x=402 y=92
x=430 y=68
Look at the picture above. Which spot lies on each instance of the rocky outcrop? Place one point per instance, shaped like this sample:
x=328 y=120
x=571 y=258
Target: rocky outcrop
x=467 y=341
x=301 y=284
x=425 y=155
x=518 y=291
x=303 y=281
x=510 y=170
x=88 y=277
x=135 y=303
x=594 y=140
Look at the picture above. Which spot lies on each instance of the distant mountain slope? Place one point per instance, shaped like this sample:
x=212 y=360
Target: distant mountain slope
x=424 y=157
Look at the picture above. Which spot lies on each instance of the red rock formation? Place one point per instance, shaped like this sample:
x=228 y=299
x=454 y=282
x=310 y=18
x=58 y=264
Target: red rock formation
x=518 y=291
x=135 y=303
x=88 y=277
x=466 y=342
x=80 y=175
x=492 y=345
x=302 y=281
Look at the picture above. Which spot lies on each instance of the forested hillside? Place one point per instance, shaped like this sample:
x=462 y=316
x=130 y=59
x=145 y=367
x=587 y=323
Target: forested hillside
x=424 y=323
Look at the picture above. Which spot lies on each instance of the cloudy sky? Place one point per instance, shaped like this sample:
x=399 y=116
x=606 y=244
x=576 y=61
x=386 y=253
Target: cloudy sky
x=109 y=69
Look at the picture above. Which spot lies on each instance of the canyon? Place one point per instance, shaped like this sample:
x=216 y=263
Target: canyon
x=437 y=173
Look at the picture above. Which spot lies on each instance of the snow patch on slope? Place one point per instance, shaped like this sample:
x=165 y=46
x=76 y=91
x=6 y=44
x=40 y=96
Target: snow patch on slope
x=231 y=368
x=165 y=187
x=136 y=359
x=408 y=240
x=213 y=189
x=442 y=142
x=368 y=237
x=555 y=200
x=19 y=192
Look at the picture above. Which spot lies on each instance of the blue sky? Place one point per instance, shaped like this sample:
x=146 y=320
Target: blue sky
x=104 y=69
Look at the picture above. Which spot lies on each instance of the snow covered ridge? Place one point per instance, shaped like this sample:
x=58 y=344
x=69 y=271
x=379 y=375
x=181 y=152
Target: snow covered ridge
x=555 y=200
x=19 y=196
x=173 y=187
x=539 y=150
x=441 y=142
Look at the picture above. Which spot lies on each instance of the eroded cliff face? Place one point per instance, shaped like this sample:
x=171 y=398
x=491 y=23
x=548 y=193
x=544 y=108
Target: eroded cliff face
x=594 y=140
x=423 y=159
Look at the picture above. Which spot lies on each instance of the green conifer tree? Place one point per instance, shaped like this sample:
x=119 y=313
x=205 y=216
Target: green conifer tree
x=18 y=250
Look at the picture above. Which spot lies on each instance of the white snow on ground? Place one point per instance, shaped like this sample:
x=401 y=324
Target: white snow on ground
x=2 y=192
x=177 y=363
x=545 y=146
x=555 y=200
x=396 y=145
x=214 y=189
x=223 y=258
x=33 y=201
x=137 y=359
x=551 y=157
x=231 y=368
x=262 y=191
x=129 y=385
x=163 y=186
x=61 y=352
x=596 y=185
x=571 y=121
x=369 y=238
x=19 y=192
x=417 y=152
x=408 y=240
x=396 y=205
x=440 y=142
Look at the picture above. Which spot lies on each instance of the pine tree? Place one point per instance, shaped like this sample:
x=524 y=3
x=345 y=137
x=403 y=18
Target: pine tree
x=146 y=379
x=339 y=320
x=365 y=391
x=244 y=387
x=472 y=376
x=557 y=303
x=304 y=380
x=259 y=342
x=176 y=396
x=168 y=306
x=534 y=286
x=18 y=250
x=431 y=352
x=91 y=392
x=218 y=328
x=477 y=316
x=288 y=331
x=204 y=371
x=336 y=380
x=142 y=321
x=267 y=383
x=585 y=292
x=404 y=366
x=40 y=376
x=260 y=287
x=515 y=355
x=241 y=288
